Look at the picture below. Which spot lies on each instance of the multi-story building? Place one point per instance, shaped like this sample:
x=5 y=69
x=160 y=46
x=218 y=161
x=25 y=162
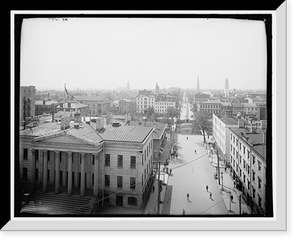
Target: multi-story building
x=144 y=102
x=162 y=106
x=98 y=105
x=127 y=106
x=45 y=107
x=221 y=125
x=113 y=164
x=201 y=97
x=210 y=106
x=248 y=164
x=250 y=108
x=27 y=103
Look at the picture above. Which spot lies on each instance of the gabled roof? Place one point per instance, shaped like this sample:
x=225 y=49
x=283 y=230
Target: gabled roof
x=85 y=133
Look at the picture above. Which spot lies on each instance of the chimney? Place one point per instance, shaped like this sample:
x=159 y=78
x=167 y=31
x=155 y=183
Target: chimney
x=241 y=123
x=263 y=124
x=65 y=122
x=264 y=138
x=100 y=124
x=253 y=129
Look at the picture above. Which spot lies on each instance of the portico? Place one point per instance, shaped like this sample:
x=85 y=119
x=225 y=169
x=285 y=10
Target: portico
x=66 y=162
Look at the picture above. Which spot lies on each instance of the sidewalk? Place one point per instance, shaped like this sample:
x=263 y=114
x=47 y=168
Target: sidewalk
x=233 y=207
x=151 y=207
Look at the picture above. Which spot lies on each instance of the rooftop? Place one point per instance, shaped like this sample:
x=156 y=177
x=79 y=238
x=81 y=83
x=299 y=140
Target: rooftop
x=159 y=128
x=93 y=98
x=49 y=102
x=135 y=134
x=253 y=139
x=74 y=105
x=88 y=133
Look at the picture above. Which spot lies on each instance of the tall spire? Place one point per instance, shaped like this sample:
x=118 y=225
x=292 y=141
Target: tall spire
x=198 y=86
x=128 y=86
x=156 y=89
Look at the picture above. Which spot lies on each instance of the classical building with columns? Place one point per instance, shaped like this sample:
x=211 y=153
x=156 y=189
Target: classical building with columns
x=113 y=164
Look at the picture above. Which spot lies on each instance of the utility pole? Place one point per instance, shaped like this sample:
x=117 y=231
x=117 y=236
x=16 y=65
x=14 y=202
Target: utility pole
x=158 y=190
x=218 y=167
x=240 y=203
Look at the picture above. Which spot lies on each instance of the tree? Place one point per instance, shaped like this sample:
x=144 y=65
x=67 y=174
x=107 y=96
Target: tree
x=202 y=122
x=148 y=112
x=172 y=112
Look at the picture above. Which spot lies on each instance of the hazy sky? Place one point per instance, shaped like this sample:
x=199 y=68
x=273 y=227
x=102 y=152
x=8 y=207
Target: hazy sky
x=108 y=52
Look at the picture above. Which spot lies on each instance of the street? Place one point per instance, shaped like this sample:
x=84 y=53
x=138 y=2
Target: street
x=191 y=172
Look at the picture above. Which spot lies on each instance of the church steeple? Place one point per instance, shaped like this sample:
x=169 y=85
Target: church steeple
x=156 y=89
x=128 y=86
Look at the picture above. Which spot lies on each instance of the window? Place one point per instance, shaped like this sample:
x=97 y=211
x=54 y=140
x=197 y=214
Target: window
x=253 y=175
x=120 y=181
x=107 y=159
x=248 y=154
x=132 y=182
x=253 y=193
x=133 y=162
x=253 y=160
x=107 y=180
x=259 y=200
x=25 y=153
x=259 y=182
x=25 y=173
x=120 y=161
x=132 y=201
x=244 y=149
x=259 y=165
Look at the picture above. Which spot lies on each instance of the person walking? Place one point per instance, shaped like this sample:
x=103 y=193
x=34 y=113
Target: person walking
x=188 y=196
x=170 y=171
x=195 y=151
x=210 y=195
x=207 y=188
x=183 y=212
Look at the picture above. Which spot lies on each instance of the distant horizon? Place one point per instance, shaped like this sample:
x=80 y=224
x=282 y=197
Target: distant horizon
x=106 y=53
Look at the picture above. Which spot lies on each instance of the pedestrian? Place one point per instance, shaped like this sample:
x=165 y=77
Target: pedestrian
x=170 y=171
x=187 y=138
x=207 y=188
x=153 y=188
x=183 y=212
x=210 y=195
x=188 y=196
x=196 y=151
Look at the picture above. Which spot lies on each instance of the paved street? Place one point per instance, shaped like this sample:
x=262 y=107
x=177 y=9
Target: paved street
x=191 y=172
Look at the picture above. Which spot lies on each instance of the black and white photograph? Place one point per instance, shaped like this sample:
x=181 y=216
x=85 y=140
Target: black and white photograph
x=144 y=115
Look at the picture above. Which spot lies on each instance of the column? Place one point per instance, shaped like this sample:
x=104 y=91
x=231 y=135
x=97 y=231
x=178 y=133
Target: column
x=40 y=167
x=33 y=166
x=88 y=171
x=96 y=175
x=52 y=168
x=76 y=169
x=69 y=173
x=45 y=171
x=82 y=178
x=57 y=172
x=64 y=169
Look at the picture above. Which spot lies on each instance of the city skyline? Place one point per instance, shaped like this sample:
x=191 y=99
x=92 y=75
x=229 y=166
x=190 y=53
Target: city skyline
x=107 y=53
